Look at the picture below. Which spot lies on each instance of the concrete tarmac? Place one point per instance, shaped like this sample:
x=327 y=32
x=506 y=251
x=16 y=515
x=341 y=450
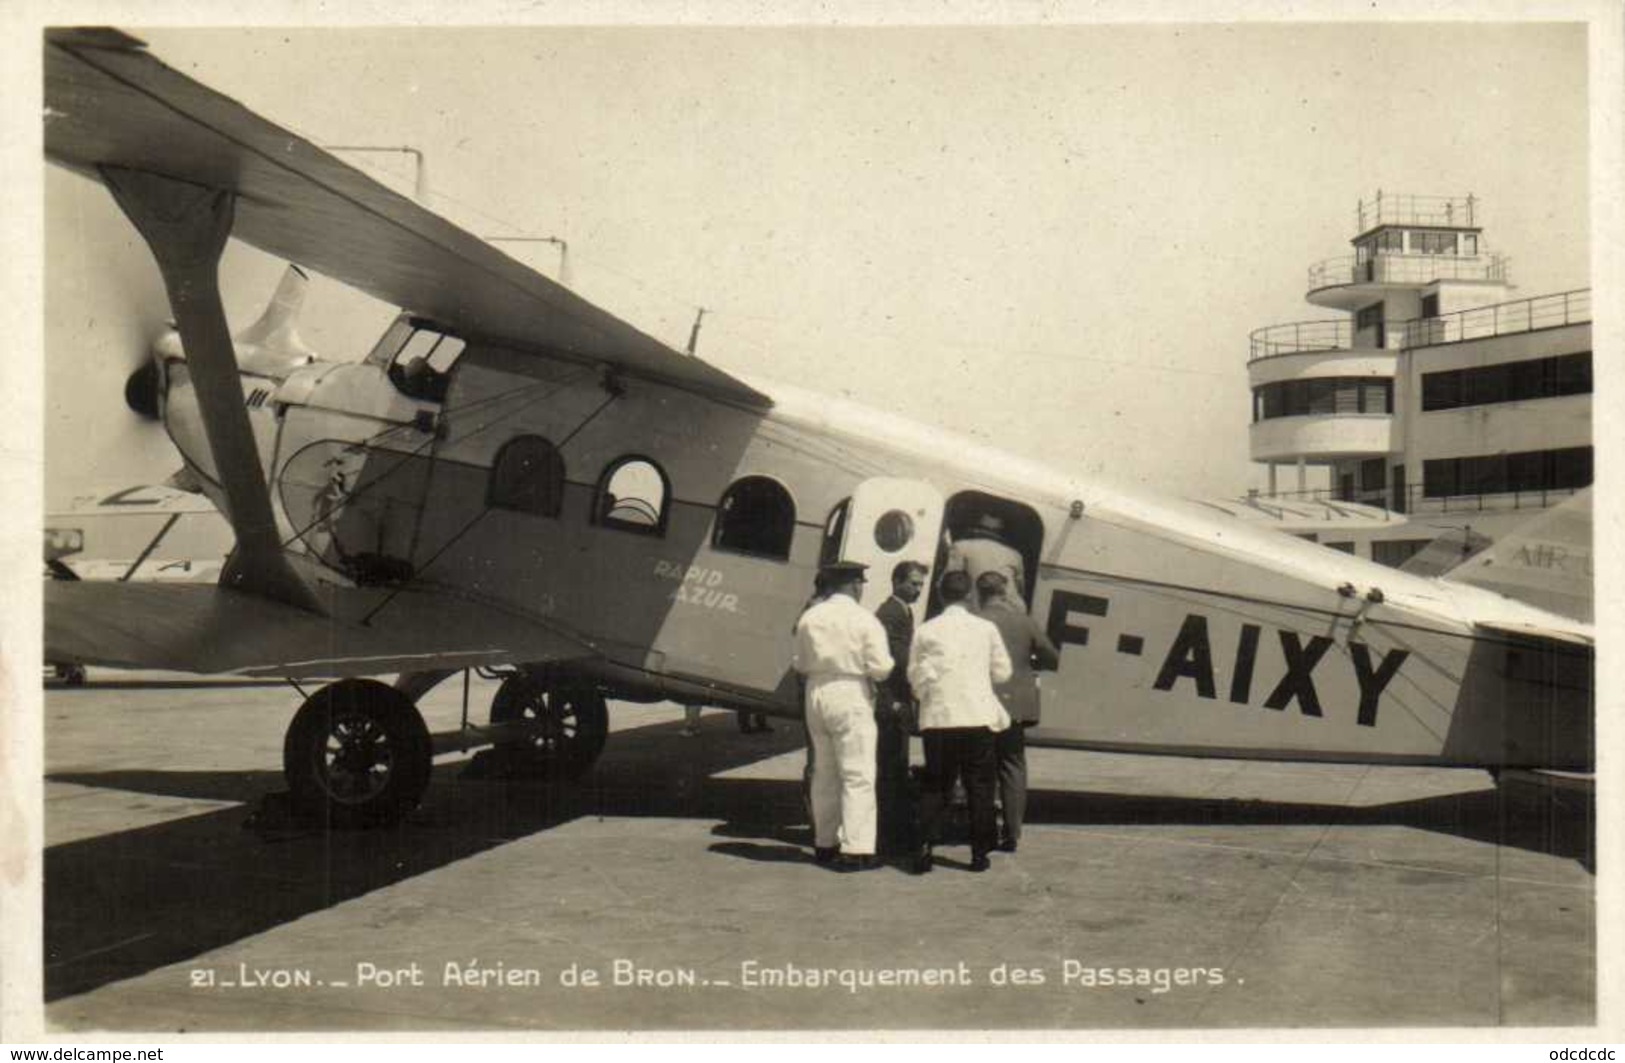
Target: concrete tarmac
x=673 y=889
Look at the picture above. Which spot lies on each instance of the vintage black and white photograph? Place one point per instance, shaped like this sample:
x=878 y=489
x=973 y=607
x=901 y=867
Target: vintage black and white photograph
x=910 y=522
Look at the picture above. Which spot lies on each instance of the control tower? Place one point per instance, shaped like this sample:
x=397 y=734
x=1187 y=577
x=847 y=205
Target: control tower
x=1323 y=390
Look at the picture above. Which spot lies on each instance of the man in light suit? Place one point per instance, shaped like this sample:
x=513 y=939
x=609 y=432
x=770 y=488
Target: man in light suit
x=956 y=659
x=1028 y=647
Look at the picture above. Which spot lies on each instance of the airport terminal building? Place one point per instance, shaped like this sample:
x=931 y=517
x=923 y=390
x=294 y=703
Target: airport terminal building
x=1438 y=397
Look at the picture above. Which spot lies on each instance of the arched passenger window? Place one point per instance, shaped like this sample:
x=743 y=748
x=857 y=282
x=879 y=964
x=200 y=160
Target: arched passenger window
x=756 y=516
x=632 y=496
x=528 y=476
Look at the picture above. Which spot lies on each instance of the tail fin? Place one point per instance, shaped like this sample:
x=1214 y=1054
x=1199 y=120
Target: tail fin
x=1446 y=553
x=1545 y=563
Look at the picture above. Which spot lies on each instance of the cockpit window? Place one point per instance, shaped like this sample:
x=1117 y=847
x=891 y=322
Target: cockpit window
x=419 y=359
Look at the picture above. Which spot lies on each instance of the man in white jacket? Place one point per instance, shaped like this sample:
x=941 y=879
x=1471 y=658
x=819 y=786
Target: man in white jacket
x=954 y=662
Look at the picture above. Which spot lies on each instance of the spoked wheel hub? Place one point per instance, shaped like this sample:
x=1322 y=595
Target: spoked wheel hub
x=357 y=753
x=561 y=725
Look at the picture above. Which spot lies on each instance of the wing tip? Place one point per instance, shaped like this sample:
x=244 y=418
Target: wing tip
x=94 y=37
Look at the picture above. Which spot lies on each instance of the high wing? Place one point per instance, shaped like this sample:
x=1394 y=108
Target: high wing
x=219 y=631
x=110 y=104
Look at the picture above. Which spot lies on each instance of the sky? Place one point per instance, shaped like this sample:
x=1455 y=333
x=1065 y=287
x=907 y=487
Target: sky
x=1055 y=239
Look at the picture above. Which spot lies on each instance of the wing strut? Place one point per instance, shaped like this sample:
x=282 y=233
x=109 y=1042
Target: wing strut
x=186 y=226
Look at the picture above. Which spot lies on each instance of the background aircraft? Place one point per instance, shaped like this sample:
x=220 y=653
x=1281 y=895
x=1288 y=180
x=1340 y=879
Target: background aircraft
x=513 y=478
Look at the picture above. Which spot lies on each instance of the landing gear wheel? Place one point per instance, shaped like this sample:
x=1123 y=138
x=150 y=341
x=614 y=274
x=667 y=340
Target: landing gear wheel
x=72 y=675
x=357 y=754
x=566 y=725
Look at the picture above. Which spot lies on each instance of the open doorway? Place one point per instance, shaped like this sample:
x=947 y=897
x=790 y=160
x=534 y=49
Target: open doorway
x=1019 y=526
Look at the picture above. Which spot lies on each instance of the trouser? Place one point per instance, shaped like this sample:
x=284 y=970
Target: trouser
x=896 y=810
x=841 y=724
x=1010 y=752
x=959 y=753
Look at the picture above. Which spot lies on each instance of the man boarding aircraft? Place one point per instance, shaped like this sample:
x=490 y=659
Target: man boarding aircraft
x=514 y=478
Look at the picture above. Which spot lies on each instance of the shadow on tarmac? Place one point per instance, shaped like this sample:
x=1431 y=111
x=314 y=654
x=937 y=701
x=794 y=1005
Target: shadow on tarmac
x=202 y=683
x=122 y=904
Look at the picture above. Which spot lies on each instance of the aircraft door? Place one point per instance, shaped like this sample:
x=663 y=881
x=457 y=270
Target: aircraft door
x=890 y=520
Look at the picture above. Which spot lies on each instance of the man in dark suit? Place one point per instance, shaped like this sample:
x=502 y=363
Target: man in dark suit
x=1028 y=647
x=894 y=710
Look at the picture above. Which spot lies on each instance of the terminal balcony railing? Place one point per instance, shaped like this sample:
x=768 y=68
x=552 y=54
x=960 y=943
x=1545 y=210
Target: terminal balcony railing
x=1300 y=337
x=1522 y=315
x=1392 y=267
x=1417 y=501
x=1399 y=209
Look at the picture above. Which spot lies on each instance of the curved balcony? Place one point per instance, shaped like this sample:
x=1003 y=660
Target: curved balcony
x=1371 y=363
x=1296 y=337
x=1321 y=437
x=1348 y=281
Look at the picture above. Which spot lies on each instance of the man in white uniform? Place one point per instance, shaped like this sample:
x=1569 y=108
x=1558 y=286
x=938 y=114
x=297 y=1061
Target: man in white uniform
x=841 y=649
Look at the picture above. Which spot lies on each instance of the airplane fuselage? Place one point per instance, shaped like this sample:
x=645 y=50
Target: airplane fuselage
x=613 y=509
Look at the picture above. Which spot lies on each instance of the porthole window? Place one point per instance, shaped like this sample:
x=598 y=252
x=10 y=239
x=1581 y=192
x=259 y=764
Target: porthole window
x=893 y=530
x=756 y=516
x=528 y=477
x=632 y=496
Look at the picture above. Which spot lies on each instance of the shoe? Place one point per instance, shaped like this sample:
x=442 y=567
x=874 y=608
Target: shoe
x=823 y=854
x=921 y=865
x=980 y=862
x=1008 y=845
x=856 y=862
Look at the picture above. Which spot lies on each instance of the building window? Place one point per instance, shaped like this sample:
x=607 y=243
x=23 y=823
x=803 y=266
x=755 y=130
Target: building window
x=1368 y=316
x=1430 y=305
x=528 y=477
x=1537 y=378
x=1374 y=474
x=1346 y=548
x=632 y=496
x=1433 y=243
x=756 y=516
x=1326 y=396
x=1566 y=469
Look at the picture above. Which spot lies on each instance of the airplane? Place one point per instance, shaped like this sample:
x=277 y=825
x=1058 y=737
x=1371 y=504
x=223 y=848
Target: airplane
x=73 y=551
x=514 y=479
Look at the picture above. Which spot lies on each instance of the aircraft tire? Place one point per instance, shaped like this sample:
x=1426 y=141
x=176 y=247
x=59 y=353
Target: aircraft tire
x=357 y=754
x=570 y=725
